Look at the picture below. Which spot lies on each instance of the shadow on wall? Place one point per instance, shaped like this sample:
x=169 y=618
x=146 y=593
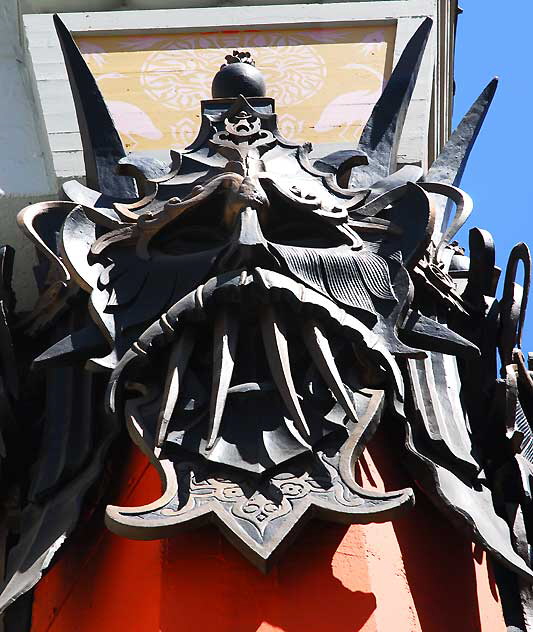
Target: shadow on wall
x=417 y=572
x=300 y=594
x=439 y=565
x=198 y=581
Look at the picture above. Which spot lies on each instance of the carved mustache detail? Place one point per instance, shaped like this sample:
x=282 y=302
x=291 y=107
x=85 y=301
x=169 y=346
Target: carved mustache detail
x=179 y=359
x=220 y=294
x=226 y=330
x=225 y=336
x=277 y=352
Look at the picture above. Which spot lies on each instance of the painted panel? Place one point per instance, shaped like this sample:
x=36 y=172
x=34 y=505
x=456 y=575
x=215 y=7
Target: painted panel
x=325 y=81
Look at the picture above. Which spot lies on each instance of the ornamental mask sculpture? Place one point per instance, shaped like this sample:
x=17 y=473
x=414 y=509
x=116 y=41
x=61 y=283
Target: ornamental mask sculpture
x=252 y=314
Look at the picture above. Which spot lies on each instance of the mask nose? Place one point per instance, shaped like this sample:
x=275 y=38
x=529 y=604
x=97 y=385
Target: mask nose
x=248 y=245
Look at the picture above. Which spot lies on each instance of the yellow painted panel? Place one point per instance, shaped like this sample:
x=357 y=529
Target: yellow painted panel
x=325 y=81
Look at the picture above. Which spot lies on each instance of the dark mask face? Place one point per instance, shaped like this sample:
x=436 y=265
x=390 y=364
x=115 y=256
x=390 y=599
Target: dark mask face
x=264 y=343
x=252 y=307
x=251 y=310
x=251 y=300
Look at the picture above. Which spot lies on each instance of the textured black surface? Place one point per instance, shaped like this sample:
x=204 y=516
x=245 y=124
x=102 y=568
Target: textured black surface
x=252 y=321
x=238 y=78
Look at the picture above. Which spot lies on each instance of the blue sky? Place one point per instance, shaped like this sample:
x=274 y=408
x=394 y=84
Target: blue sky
x=496 y=39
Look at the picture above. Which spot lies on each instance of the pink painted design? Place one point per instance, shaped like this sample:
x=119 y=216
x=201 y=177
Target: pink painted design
x=184 y=132
x=291 y=127
x=348 y=109
x=143 y=42
x=130 y=120
x=324 y=36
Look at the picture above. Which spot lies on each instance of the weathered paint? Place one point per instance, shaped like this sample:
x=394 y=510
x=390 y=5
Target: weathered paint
x=416 y=574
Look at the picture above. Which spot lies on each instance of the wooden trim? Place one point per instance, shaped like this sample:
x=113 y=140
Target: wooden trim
x=217 y=18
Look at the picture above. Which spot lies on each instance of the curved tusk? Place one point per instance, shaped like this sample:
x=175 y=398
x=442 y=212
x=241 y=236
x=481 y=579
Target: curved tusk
x=464 y=204
x=277 y=353
x=225 y=337
x=358 y=332
x=177 y=365
x=318 y=346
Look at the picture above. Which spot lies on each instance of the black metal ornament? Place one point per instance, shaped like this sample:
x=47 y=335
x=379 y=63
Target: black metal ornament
x=252 y=316
x=238 y=76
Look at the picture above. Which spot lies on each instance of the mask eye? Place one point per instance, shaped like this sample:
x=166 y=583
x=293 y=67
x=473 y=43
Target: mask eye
x=290 y=227
x=200 y=228
x=296 y=233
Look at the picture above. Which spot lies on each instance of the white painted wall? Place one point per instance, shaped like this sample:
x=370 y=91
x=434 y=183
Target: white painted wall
x=25 y=163
x=56 y=6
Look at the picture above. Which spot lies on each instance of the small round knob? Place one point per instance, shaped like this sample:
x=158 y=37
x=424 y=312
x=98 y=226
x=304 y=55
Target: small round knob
x=238 y=76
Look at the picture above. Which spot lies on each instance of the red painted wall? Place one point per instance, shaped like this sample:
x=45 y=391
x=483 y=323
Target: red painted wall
x=416 y=574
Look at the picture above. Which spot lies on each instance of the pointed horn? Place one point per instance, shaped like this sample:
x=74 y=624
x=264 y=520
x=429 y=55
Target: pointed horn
x=426 y=333
x=226 y=333
x=277 y=353
x=318 y=346
x=449 y=166
x=177 y=365
x=102 y=147
x=382 y=132
x=76 y=347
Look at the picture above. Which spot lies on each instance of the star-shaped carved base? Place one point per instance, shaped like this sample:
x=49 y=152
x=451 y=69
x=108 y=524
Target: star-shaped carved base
x=258 y=515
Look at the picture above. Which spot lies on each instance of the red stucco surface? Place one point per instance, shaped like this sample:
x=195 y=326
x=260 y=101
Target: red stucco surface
x=416 y=574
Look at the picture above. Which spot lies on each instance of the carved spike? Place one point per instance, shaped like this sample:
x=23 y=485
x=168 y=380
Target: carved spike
x=177 y=365
x=426 y=333
x=226 y=334
x=277 y=353
x=102 y=147
x=77 y=346
x=449 y=166
x=318 y=346
x=382 y=132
